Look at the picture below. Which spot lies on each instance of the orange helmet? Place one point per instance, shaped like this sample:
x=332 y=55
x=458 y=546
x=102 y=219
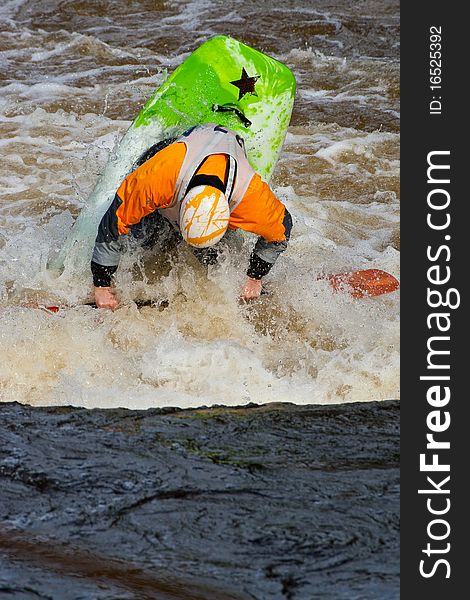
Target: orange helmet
x=204 y=216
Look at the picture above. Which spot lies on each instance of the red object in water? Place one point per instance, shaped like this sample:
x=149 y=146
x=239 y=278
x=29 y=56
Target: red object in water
x=367 y=283
x=53 y=309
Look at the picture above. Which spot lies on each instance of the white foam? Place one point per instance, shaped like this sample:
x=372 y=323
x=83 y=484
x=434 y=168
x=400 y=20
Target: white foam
x=359 y=144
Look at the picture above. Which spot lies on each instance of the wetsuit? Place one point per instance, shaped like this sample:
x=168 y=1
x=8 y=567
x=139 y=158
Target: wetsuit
x=155 y=185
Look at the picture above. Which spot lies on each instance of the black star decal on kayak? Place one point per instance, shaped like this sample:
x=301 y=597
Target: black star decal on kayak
x=246 y=84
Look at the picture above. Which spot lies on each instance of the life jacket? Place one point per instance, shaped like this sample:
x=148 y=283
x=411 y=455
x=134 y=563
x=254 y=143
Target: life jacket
x=202 y=141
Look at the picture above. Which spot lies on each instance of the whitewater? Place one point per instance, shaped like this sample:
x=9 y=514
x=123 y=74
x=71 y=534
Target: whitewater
x=72 y=80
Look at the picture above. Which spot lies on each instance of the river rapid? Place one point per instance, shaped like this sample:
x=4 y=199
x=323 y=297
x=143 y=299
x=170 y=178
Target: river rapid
x=73 y=75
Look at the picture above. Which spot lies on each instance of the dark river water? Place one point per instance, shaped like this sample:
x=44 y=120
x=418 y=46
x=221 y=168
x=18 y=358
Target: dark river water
x=279 y=502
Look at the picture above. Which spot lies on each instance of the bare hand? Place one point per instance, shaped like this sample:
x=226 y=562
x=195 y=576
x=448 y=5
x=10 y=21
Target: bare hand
x=105 y=298
x=251 y=290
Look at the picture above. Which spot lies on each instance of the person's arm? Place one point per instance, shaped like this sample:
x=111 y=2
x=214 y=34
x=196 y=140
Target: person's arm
x=138 y=193
x=106 y=256
x=146 y=189
x=260 y=212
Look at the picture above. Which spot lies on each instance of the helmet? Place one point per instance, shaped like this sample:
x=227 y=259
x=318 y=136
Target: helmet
x=204 y=216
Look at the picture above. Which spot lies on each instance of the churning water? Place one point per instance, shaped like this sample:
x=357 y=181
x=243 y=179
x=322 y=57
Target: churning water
x=73 y=75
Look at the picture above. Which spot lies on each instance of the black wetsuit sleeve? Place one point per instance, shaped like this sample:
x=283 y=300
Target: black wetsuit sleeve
x=107 y=250
x=258 y=267
x=102 y=275
x=265 y=253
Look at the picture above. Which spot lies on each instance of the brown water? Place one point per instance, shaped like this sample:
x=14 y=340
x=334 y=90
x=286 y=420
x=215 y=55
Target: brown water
x=73 y=76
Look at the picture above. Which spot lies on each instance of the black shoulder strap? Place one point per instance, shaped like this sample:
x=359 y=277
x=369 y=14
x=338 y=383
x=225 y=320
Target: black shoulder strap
x=211 y=180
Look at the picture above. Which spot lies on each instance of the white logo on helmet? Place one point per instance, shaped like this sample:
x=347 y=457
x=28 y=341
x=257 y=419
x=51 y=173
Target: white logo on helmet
x=204 y=216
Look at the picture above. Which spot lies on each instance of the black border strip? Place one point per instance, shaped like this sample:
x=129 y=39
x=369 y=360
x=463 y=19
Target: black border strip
x=425 y=131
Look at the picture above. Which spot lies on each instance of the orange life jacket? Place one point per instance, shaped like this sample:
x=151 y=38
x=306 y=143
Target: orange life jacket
x=162 y=181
